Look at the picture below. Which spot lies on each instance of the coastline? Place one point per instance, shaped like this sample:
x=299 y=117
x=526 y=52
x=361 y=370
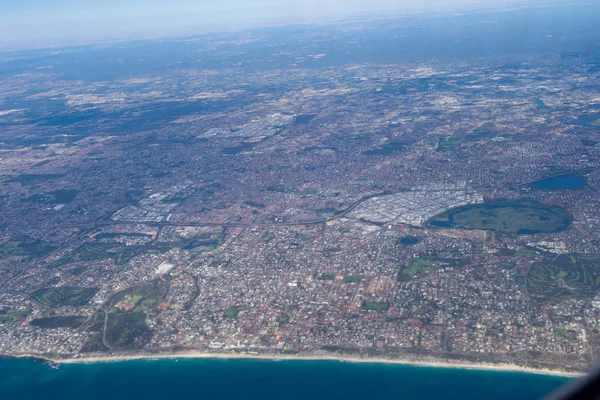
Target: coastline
x=285 y=357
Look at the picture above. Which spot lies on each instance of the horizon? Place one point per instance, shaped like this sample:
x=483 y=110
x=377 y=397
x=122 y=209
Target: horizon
x=37 y=24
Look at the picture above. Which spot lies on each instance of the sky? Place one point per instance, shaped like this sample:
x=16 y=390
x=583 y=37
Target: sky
x=52 y=22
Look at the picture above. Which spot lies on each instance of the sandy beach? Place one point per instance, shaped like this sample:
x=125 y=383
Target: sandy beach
x=202 y=355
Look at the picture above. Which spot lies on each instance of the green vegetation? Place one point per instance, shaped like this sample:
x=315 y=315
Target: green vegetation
x=149 y=302
x=72 y=322
x=448 y=144
x=520 y=280
x=100 y=251
x=478 y=247
x=327 y=276
x=119 y=253
x=508 y=265
x=351 y=279
x=309 y=192
x=64 y=296
x=233 y=312
x=304 y=236
x=386 y=150
x=13 y=316
x=113 y=235
x=236 y=149
x=561 y=332
x=254 y=204
x=33 y=179
x=423 y=265
x=61 y=196
x=283 y=319
x=419 y=266
x=327 y=210
x=376 y=305
x=561 y=275
x=127 y=331
x=529 y=253
x=78 y=270
x=95 y=343
x=267 y=237
x=318 y=150
x=141 y=297
x=331 y=250
x=199 y=246
x=513 y=218
x=24 y=245
x=567 y=276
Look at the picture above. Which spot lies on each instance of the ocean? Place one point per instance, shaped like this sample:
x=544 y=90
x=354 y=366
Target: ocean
x=225 y=379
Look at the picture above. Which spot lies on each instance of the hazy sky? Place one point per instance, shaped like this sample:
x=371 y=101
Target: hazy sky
x=45 y=22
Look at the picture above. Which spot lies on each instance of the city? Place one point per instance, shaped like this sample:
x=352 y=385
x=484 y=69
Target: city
x=302 y=199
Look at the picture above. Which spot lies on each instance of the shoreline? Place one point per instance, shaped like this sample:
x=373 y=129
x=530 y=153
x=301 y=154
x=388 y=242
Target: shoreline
x=284 y=357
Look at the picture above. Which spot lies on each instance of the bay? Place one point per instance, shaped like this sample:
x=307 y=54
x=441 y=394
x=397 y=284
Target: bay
x=26 y=379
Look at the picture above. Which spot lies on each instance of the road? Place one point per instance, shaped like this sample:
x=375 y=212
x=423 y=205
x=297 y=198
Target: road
x=229 y=224
x=104 y=341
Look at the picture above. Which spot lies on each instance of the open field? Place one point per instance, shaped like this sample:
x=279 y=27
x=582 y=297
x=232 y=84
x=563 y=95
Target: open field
x=12 y=316
x=61 y=196
x=200 y=245
x=64 y=296
x=233 y=312
x=420 y=265
x=427 y=264
x=386 y=149
x=127 y=331
x=567 y=276
x=141 y=297
x=24 y=245
x=100 y=251
x=376 y=305
x=119 y=253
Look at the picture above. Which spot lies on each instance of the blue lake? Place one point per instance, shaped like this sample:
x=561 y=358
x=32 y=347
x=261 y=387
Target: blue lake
x=560 y=182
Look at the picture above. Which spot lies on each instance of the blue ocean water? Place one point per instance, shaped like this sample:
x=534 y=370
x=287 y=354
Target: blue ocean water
x=163 y=379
